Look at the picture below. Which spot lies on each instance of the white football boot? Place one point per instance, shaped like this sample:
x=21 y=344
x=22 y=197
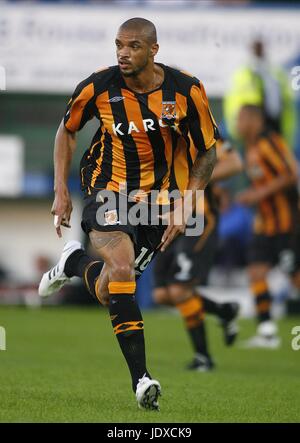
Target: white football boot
x=56 y=278
x=147 y=393
x=266 y=337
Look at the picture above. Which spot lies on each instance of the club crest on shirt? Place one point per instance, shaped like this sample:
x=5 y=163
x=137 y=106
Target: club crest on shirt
x=168 y=112
x=111 y=217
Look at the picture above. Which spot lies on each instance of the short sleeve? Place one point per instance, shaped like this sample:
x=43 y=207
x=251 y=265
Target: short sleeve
x=80 y=108
x=202 y=126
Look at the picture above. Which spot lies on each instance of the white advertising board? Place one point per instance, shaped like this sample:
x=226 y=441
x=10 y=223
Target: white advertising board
x=52 y=47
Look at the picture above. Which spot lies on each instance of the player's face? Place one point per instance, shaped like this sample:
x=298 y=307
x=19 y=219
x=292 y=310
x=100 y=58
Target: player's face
x=243 y=121
x=133 y=52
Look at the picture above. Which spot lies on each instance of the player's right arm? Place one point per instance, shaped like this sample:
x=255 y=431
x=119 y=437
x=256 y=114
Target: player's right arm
x=80 y=109
x=64 y=147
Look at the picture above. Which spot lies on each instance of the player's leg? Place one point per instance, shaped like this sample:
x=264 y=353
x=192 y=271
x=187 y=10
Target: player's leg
x=161 y=269
x=257 y=274
x=101 y=286
x=226 y=312
x=173 y=273
x=191 y=309
x=193 y=320
x=192 y=314
x=295 y=279
x=161 y=296
x=115 y=248
x=188 y=305
x=114 y=285
x=262 y=254
x=117 y=251
x=267 y=329
x=295 y=251
x=73 y=262
x=202 y=253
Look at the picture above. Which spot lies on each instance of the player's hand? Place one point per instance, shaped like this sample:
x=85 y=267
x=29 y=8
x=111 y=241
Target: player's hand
x=249 y=197
x=62 y=209
x=177 y=224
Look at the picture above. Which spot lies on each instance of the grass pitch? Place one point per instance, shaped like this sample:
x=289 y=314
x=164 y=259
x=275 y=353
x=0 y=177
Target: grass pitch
x=64 y=365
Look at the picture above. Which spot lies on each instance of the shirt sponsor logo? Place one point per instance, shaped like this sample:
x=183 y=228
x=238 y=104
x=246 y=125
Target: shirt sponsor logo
x=148 y=125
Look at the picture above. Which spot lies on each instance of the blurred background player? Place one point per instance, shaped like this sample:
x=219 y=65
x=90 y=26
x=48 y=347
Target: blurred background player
x=272 y=171
x=187 y=262
x=261 y=84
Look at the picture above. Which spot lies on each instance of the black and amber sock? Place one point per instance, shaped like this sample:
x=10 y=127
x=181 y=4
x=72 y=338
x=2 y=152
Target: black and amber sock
x=225 y=311
x=128 y=327
x=192 y=313
x=209 y=306
x=79 y=264
x=262 y=299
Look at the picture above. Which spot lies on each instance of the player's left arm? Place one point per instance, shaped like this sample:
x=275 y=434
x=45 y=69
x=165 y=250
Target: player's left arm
x=204 y=133
x=253 y=196
x=285 y=176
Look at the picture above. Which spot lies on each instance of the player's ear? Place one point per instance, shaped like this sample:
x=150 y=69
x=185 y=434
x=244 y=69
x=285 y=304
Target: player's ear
x=154 y=49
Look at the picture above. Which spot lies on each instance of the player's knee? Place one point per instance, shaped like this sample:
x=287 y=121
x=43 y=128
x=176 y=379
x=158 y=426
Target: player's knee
x=179 y=293
x=122 y=272
x=161 y=296
x=257 y=273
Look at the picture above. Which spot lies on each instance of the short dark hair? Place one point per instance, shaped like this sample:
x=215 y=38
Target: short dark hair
x=143 y=25
x=254 y=110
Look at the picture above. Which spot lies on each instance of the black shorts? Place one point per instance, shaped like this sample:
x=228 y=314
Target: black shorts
x=146 y=238
x=186 y=260
x=280 y=249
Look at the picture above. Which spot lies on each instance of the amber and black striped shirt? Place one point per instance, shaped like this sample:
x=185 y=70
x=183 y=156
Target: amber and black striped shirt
x=138 y=133
x=267 y=159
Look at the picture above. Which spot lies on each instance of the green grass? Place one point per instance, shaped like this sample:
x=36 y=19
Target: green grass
x=64 y=365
